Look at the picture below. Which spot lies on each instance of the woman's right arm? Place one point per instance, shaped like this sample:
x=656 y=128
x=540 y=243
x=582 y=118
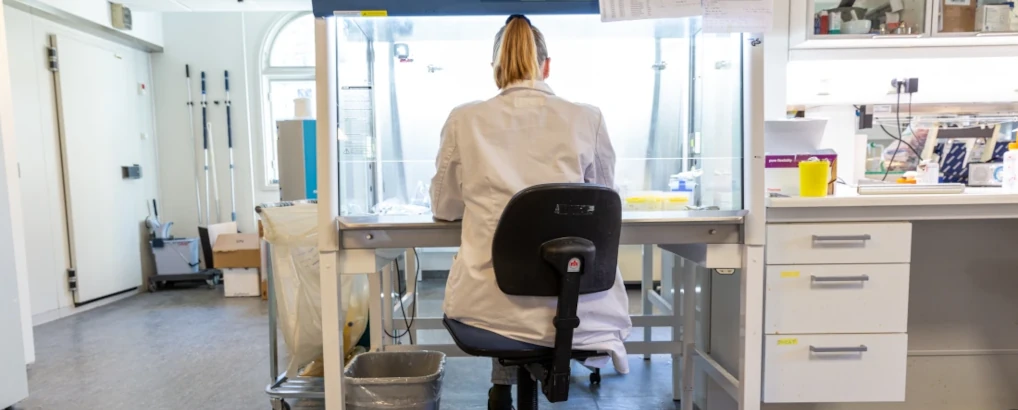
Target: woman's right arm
x=446 y=187
x=602 y=170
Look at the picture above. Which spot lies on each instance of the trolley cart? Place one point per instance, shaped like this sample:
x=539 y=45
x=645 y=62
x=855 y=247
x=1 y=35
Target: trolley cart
x=284 y=391
x=212 y=277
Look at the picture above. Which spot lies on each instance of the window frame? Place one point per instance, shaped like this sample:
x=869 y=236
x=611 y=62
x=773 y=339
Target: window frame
x=270 y=74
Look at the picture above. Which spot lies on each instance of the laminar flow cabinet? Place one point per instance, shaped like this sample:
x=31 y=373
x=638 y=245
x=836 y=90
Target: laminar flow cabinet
x=676 y=100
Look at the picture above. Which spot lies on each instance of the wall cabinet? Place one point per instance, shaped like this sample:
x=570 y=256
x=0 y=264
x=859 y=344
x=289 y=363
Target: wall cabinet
x=924 y=23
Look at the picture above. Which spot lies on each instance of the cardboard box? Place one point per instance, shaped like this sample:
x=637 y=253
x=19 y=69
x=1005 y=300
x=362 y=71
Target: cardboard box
x=781 y=172
x=241 y=282
x=958 y=16
x=237 y=251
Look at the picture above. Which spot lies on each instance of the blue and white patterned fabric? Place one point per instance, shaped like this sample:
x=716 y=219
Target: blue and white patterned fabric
x=999 y=150
x=954 y=165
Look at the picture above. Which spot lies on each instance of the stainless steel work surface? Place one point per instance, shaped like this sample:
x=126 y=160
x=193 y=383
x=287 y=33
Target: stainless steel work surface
x=422 y=231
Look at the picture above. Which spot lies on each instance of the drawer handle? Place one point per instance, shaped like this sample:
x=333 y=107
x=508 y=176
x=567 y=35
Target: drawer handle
x=851 y=349
x=860 y=278
x=842 y=238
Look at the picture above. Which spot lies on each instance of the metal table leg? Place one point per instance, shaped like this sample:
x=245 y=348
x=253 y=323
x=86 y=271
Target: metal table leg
x=646 y=287
x=688 y=332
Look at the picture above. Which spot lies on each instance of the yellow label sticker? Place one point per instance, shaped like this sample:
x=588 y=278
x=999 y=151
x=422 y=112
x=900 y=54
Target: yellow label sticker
x=788 y=342
x=362 y=13
x=790 y=274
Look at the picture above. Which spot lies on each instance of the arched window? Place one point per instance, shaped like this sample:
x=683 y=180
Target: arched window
x=288 y=72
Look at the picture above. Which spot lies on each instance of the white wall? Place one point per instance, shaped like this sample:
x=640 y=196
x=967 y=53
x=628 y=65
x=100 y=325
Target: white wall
x=941 y=80
x=11 y=220
x=147 y=25
x=39 y=155
x=212 y=42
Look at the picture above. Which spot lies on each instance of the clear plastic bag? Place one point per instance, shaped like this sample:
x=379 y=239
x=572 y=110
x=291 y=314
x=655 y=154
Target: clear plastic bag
x=293 y=233
x=904 y=159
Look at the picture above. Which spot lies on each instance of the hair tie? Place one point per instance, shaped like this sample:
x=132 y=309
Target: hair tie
x=517 y=16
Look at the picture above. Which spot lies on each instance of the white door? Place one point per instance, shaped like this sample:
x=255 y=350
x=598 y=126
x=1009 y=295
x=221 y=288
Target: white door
x=13 y=377
x=97 y=133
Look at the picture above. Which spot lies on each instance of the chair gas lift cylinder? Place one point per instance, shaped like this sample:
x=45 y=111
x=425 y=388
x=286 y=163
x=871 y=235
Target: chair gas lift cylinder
x=685 y=114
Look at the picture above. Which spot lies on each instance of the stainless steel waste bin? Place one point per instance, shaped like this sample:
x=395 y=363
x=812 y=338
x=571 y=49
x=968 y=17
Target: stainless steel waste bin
x=395 y=381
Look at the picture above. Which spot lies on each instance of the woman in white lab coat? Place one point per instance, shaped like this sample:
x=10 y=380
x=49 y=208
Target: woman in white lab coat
x=523 y=136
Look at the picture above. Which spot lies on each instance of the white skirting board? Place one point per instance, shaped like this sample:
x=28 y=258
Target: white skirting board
x=46 y=317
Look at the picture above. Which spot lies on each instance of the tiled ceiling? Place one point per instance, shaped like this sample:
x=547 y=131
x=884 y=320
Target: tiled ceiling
x=218 y=5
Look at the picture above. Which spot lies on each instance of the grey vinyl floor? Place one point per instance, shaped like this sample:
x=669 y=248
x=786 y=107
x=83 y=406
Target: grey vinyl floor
x=195 y=349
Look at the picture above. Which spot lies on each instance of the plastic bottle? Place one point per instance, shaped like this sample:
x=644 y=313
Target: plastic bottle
x=835 y=22
x=1010 y=183
x=825 y=22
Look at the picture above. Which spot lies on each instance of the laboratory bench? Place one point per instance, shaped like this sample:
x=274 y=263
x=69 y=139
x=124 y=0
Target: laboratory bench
x=704 y=239
x=898 y=299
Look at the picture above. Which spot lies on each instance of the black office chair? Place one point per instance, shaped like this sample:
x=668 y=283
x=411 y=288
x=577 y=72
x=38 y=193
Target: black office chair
x=558 y=241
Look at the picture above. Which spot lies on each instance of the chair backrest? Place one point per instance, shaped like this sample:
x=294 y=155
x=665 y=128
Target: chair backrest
x=542 y=213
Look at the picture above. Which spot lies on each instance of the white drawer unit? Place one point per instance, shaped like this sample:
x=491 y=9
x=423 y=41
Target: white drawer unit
x=789 y=244
x=834 y=368
x=837 y=299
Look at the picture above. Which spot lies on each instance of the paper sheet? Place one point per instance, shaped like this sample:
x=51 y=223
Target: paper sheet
x=737 y=16
x=622 y=10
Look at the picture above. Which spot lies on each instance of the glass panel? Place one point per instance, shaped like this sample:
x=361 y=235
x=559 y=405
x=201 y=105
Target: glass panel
x=281 y=96
x=717 y=119
x=864 y=17
x=400 y=77
x=294 y=46
x=977 y=16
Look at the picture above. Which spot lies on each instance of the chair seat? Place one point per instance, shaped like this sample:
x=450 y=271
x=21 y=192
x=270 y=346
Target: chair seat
x=479 y=342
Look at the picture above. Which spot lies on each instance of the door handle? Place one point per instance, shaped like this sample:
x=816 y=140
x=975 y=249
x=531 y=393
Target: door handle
x=821 y=279
x=849 y=349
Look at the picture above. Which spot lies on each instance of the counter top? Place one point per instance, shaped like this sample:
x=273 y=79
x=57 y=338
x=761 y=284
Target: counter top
x=672 y=227
x=848 y=205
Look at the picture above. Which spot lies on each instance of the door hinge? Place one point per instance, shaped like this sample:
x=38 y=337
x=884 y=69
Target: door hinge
x=53 y=61
x=72 y=280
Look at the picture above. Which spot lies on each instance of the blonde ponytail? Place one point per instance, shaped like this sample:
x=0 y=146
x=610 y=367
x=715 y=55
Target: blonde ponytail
x=520 y=51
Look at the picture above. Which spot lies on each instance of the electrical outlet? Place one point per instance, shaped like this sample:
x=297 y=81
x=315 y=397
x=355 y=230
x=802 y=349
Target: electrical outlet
x=905 y=86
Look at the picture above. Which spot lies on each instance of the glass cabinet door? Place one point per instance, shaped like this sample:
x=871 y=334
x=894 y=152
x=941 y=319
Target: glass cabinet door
x=975 y=18
x=867 y=18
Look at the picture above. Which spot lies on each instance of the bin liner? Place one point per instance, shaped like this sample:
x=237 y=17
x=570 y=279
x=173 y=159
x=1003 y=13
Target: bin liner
x=293 y=233
x=395 y=381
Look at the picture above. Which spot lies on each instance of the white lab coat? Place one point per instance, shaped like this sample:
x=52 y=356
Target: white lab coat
x=493 y=149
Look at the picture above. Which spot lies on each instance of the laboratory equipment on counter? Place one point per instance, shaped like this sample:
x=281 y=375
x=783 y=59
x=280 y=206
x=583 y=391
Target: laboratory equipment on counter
x=990 y=174
x=814 y=175
x=1010 y=182
x=928 y=172
x=297 y=157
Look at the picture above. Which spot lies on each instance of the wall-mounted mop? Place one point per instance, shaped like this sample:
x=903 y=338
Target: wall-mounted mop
x=194 y=149
x=229 y=142
x=215 y=176
x=205 y=138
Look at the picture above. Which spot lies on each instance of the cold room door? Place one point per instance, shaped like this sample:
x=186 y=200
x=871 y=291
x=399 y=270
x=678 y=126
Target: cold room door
x=98 y=128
